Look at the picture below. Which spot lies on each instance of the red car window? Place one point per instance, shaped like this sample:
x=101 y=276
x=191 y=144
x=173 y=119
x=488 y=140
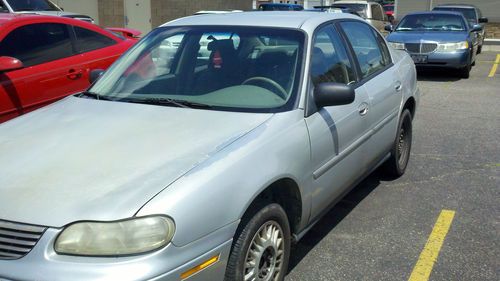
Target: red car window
x=88 y=40
x=38 y=43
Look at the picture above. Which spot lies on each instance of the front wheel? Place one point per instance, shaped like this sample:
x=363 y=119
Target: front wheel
x=261 y=248
x=400 y=153
x=465 y=72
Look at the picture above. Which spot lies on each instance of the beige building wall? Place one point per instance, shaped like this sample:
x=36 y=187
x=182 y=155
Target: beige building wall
x=111 y=13
x=163 y=11
x=86 y=7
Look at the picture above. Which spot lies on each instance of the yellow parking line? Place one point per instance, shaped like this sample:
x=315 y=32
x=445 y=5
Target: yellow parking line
x=429 y=255
x=494 y=67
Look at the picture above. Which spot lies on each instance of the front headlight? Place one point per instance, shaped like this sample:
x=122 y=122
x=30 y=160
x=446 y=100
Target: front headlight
x=452 y=47
x=126 y=237
x=397 y=45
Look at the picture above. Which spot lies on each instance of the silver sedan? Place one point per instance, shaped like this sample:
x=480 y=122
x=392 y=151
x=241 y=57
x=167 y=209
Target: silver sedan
x=206 y=164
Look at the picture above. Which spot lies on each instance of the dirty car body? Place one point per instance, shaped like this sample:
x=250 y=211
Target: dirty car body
x=157 y=170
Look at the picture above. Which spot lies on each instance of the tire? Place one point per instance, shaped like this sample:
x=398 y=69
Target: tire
x=479 y=49
x=396 y=165
x=465 y=72
x=269 y=264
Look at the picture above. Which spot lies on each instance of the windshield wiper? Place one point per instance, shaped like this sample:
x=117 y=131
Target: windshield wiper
x=93 y=95
x=168 y=101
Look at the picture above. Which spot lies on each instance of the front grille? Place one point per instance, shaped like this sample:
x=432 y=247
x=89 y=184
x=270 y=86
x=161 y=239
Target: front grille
x=17 y=240
x=420 y=48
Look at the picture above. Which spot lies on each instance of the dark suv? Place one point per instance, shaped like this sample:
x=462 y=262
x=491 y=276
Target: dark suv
x=473 y=16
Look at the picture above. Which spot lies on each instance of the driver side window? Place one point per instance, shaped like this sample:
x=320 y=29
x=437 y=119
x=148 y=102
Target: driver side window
x=330 y=62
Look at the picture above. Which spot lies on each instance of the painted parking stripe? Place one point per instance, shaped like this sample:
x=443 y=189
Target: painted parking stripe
x=429 y=255
x=494 y=67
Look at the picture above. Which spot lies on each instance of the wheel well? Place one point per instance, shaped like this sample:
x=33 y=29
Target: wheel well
x=284 y=192
x=410 y=105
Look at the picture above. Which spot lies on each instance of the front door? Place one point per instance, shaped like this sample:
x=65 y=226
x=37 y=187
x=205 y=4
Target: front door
x=138 y=15
x=336 y=132
x=51 y=68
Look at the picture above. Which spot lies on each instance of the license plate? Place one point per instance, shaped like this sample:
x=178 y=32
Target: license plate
x=419 y=58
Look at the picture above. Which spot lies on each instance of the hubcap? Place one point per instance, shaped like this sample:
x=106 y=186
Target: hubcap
x=265 y=255
x=403 y=145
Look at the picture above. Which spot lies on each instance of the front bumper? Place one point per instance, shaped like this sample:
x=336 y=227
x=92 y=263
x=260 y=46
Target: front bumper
x=457 y=59
x=167 y=264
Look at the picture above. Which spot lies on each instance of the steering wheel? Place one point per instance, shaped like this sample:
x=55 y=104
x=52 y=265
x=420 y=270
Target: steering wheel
x=256 y=80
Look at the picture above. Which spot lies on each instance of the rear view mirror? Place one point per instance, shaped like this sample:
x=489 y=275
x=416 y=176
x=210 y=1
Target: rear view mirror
x=483 y=20
x=9 y=64
x=95 y=75
x=477 y=28
x=389 y=28
x=331 y=94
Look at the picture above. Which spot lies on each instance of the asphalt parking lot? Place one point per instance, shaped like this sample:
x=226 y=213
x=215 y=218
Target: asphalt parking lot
x=380 y=229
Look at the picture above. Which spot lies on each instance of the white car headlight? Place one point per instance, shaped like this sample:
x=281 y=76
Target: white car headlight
x=126 y=237
x=397 y=45
x=452 y=47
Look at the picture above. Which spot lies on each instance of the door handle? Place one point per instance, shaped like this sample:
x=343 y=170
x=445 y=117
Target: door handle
x=399 y=87
x=363 y=109
x=74 y=74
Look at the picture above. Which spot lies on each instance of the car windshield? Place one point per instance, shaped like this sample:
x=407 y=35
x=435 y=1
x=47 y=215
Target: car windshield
x=431 y=22
x=220 y=68
x=32 y=5
x=358 y=8
x=469 y=14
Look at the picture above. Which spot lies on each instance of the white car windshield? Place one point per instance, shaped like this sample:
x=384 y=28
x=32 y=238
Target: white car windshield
x=227 y=68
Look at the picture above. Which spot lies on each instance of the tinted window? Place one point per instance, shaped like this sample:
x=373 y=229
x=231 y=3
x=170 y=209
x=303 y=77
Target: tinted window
x=366 y=47
x=432 y=22
x=330 y=62
x=32 y=5
x=38 y=43
x=3 y=9
x=88 y=40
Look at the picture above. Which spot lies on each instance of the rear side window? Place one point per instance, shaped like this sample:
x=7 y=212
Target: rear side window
x=38 y=43
x=366 y=47
x=88 y=40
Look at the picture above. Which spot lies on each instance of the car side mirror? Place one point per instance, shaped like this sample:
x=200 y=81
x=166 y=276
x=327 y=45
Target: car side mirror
x=331 y=94
x=95 y=74
x=476 y=28
x=389 y=27
x=10 y=64
x=483 y=20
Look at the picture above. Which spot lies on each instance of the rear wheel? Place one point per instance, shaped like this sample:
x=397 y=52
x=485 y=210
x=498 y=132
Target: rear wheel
x=479 y=49
x=400 y=153
x=261 y=248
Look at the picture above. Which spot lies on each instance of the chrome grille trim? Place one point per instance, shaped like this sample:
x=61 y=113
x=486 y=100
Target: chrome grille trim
x=421 y=48
x=17 y=240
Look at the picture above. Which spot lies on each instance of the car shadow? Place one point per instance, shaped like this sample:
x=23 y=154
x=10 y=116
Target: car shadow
x=437 y=75
x=331 y=219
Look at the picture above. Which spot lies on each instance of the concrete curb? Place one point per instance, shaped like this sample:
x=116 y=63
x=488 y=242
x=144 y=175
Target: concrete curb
x=491 y=45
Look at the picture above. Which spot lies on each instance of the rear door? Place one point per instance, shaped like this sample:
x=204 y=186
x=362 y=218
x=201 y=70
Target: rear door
x=51 y=69
x=381 y=82
x=337 y=132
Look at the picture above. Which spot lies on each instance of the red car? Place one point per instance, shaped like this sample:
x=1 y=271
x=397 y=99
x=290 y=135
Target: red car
x=45 y=58
x=389 y=11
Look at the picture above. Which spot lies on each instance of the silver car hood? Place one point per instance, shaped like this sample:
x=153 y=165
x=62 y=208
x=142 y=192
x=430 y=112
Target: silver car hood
x=82 y=159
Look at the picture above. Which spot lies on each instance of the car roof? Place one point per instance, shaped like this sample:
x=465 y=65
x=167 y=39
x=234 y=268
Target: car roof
x=463 y=6
x=353 y=2
x=299 y=20
x=436 y=13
